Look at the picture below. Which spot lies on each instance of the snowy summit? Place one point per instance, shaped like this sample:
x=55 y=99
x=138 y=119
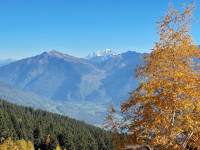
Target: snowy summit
x=99 y=56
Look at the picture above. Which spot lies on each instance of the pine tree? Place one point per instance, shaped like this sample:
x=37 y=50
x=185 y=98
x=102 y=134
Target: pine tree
x=165 y=109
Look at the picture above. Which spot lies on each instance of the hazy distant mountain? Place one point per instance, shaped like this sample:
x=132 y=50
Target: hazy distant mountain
x=58 y=76
x=100 y=56
x=120 y=61
x=6 y=61
x=119 y=80
x=25 y=98
x=89 y=112
x=54 y=75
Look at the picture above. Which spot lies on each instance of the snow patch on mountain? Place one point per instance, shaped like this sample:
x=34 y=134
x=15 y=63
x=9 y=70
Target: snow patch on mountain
x=99 y=56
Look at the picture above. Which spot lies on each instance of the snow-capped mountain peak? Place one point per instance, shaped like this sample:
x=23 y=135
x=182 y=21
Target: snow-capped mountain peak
x=99 y=56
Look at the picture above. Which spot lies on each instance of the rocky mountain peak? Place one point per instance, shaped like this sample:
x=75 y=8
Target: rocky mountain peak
x=55 y=53
x=60 y=55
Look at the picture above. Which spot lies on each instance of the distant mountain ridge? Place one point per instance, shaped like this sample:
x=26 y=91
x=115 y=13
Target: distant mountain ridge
x=62 y=77
x=52 y=74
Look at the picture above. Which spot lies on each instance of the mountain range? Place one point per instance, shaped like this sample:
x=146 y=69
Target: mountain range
x=80 y=88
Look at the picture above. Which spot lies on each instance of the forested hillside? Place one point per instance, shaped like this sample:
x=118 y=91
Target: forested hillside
x=36 y=126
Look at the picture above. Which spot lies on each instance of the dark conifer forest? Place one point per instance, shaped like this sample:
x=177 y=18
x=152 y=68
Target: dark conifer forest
x=47 y=130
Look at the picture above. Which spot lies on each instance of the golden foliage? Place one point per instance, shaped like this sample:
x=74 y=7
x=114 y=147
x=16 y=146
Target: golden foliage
x=30 y=146
x=165 y=109
x=58 y=148
x=22 y=144
x=48 y=139
x=8 y=144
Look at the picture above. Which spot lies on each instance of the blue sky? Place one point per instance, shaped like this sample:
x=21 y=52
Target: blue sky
x=78 y=27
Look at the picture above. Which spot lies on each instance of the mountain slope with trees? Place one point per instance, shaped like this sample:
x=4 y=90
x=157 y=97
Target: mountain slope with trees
x=36 y=126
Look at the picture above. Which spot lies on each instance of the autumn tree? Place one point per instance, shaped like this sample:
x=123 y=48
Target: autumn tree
x=9 y=144
x=164 y=111
x=30 y=146
x=23 y=145
x=58 y=148
x=48 y=139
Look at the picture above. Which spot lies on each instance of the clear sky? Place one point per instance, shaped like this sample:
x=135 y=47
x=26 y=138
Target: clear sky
x=78 y=27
